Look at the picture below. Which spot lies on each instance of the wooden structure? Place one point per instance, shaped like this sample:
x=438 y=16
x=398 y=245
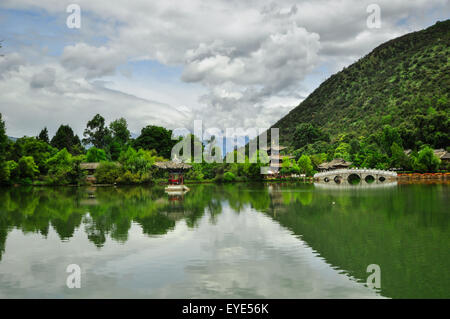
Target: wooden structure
x=176 y=175
x=90 y=168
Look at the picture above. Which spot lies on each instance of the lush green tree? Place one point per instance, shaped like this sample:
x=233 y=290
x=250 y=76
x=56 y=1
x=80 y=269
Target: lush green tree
x=65 y=168
x=229 y=177
x=286 y=166
x=13 y=169
x=305 y=165
x=95 y=155
x=119 y=131
x=27 y=168
x=108 y=173
x=343 y=151
x=4 y=172
x=306 y=133
x=318 y=159
x=426 y=161
x=390 y=136
x=156 y=138
x=65 y=138
x=398 y=158
x=43 y=136
x=139 y=162
x=114 y=150
x=97 y=133
x=30 y=146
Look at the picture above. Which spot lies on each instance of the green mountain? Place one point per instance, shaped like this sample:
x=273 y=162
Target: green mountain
x=404 y=83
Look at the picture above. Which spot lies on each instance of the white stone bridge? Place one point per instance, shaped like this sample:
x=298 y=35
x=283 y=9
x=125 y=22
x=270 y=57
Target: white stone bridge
x=346 y=176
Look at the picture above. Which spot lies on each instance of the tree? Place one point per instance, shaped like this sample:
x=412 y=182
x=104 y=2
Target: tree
x=95 y=155
x=343 y=151
x=43 y=136
x=390 y=136
x=398 y=158
x=65 y=138
x=27 y=167
x=426 y=161
x=3 y=139
x=156 y=138
x=96 y=133
x=119 y=131
x=4 y=171
x=305 y=165
x=65 y=168
x=306 y=134
x=30 y=146
x=286 y=166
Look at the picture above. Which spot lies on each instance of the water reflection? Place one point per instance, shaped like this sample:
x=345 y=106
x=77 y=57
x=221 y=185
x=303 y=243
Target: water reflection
x=275 y=240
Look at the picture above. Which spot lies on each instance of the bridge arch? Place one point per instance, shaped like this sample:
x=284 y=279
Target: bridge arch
x=337 y=179
x=344 y=176
x=369 y=179
x=354 y=178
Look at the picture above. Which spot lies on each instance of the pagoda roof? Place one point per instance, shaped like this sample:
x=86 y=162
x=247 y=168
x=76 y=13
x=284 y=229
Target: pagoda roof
x=172 y=165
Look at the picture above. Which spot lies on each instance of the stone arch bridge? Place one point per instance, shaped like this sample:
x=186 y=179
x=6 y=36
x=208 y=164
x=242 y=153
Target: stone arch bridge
x=349 y=176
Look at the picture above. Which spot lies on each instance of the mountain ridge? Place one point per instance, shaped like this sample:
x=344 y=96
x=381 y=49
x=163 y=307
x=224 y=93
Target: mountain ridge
x=394 y=84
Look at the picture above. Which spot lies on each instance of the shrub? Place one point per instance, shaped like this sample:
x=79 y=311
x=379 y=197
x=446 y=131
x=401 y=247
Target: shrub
x=229 y=177
x=108 y=173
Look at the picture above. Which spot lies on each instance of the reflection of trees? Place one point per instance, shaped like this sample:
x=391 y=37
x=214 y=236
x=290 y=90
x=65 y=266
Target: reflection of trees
x=110 y=213
x=404 y=230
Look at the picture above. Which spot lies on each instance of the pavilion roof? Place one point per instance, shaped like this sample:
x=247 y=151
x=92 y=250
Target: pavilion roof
x=173 y=165
x=337 y=162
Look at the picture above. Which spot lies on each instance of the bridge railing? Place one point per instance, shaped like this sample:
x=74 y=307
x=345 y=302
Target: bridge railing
x=357 y=171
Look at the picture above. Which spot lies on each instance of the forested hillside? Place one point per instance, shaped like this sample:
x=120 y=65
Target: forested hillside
x=403 y=83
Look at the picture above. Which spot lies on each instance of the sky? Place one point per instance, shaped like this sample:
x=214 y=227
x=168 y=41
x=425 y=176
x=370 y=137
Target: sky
x=228 y=63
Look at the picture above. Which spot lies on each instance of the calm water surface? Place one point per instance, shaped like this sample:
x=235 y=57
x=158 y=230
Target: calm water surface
x=232 y=241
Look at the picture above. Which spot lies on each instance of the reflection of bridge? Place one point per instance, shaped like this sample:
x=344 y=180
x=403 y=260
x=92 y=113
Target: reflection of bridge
x=347 y=176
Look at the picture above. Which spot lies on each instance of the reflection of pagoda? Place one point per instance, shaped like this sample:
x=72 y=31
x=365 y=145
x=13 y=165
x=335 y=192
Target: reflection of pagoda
x=276 y=159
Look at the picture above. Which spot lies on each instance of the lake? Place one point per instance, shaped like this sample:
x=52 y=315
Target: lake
x=280 y=240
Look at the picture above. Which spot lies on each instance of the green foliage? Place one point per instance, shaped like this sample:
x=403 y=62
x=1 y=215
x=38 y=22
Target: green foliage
x=27 y=168
x=343 y=151
x=403 y=83
x=398 y=158
x=426 y=161
x=30 y=146
x=155 y=138
x=195 y=173
x=305 y=165
x=108 y=173
x=229 y=177
x=95 y=155
x=306 y=133
x=119 y=131
x=65 y=138
x=96 y=133
x=64 y=169
x=43 y=136
x=4 y=172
